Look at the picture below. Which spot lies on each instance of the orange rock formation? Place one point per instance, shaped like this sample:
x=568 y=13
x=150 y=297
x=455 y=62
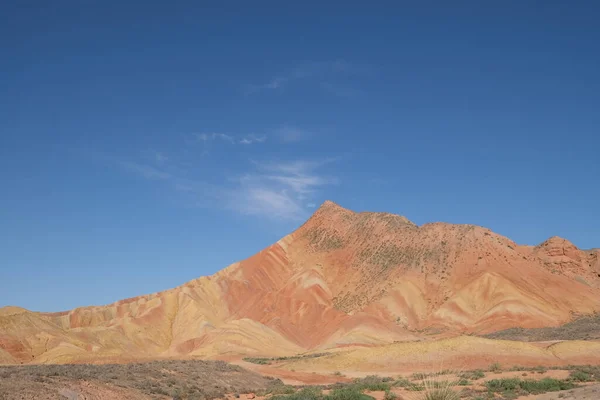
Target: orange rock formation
x=343 y=278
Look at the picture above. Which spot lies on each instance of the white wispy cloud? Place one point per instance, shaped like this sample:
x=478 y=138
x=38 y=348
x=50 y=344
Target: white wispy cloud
x=247 y=139
x=250 y=139
x=290 y=134
x=205 y=137
x=160 y=157
x=309 y=70
x=283 y=190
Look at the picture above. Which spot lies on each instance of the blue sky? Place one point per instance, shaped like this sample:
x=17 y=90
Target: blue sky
x=144 y=144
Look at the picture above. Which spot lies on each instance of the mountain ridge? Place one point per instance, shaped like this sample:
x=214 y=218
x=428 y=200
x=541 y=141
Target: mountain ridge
x=342 y=278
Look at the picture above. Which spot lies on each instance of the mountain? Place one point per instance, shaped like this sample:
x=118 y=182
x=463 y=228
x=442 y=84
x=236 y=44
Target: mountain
x=342 y=279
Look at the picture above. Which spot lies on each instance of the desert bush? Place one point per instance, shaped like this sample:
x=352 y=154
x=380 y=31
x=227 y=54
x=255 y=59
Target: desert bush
x=315 y=393
x=402 y=382
x=545 y=385
x=528 y=386
x=390 y=396
x=373 y=383
x=501 y=385
x=495 y=367
x=280 y=389
x=540 y=369
x=268 y=360
x=257 y=360
x=473 y=375
x=580 y=376
x=349 y=393
x=589 y=372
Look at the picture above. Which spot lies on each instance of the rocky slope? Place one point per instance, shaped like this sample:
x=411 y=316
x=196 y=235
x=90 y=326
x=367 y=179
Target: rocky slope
x=343 y=278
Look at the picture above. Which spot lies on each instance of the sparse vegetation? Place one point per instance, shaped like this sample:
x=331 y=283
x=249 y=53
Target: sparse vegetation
x=390 y=396
x=419 y=376
x=269 y=360
x=277 y=387
x=584 y=373
x=434 y=386
x=495 y=367
x=439 y=390
x=307 y=393
x=373 y=383
x=580 y=376
x=322 y=239
x=583 y=328
x=316 y=393
x=178 y=379
x=348 y=393
x=510 y=386
x=473 y=375
x=540 y=369
x=402 y=382
x=258 y=360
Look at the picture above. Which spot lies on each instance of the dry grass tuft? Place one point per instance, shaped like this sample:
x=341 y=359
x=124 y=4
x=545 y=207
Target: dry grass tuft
x=437 y=386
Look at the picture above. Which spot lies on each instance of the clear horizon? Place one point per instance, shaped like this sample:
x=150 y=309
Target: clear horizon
x=145 y=146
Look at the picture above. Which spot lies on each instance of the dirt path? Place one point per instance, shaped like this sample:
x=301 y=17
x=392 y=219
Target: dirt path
x=292 y=377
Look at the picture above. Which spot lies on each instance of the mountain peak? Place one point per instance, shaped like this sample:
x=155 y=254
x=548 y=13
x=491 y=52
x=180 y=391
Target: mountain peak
x=328 y=204
x=557 y=241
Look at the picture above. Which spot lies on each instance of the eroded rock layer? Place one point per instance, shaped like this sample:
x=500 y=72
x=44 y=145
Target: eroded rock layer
x=343 y=278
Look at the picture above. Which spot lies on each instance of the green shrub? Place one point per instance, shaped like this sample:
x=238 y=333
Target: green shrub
x=402 y=382
x=389 y=396
x=307 y=393
x=349 y=393
x=580 y=376
x=257 y=360
x=545 y=385
x=501 y=385
x=474 y=375
x=495 y=367
x=415 y=388
x=587 y=372
x=373 y=383
x=510 y=385
x=280 y=389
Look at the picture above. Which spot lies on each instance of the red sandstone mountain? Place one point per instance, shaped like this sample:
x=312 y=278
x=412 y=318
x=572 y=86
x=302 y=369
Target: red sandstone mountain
x=342 y=278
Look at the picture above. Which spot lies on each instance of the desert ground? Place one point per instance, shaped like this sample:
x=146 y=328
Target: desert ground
x=220 y=380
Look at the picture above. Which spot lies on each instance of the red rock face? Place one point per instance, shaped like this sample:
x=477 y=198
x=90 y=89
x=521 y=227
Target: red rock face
x=562 y=257
x=343 y=278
